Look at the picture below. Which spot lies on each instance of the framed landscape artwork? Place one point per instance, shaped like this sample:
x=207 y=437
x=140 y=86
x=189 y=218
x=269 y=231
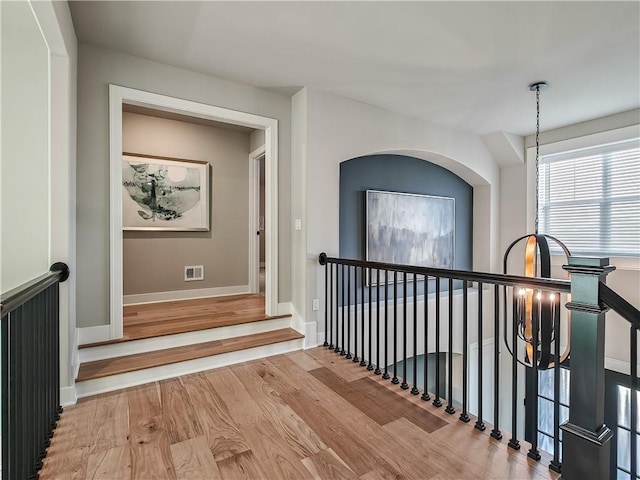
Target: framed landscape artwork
x=410 y=229
x=164 y=194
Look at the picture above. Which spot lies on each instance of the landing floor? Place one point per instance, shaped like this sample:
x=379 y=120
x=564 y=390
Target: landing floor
x=306 y=414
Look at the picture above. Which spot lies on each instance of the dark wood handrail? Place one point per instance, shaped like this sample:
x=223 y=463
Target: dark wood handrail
x=550 y=284
x=618 y=304
x=18 y=296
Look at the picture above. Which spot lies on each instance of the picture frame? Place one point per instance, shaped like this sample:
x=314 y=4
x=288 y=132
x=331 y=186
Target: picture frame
x=164 y=193
x=410 y=229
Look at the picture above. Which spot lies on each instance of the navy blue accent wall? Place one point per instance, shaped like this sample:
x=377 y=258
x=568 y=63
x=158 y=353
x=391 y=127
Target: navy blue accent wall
x=398 y=173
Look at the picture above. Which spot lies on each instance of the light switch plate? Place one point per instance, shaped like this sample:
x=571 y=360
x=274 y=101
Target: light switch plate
x=316 y=304
x=298 y=224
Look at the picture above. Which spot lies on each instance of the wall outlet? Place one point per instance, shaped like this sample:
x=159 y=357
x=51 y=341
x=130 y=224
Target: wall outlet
x=316 y=304
x=193 y=272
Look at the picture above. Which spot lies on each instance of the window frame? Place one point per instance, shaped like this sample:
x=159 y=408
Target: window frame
x=559 y=146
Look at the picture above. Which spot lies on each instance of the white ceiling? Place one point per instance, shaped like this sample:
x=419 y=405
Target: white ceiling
x=464 y=65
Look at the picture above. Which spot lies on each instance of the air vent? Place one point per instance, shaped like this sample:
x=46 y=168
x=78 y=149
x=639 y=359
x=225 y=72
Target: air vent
x=193 y=272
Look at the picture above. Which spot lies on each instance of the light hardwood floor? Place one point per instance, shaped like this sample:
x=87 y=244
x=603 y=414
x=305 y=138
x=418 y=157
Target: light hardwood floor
x=310 y=415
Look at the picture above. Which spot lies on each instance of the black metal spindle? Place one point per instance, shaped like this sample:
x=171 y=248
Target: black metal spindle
x=425 y=394
x=326 y=304
x=516 y=313
x=464 y=416
x=535 y=321
x=386 y=375
x=415 y=390
x=436 y=400
x=450 y=410
x=479 y=422
x=405 y=385
x=348 y=351
x=395 y=380
x=356 y=315
x=633 y=334
x=363 y=362
x=377 y=371
x=555 y=464
x=330 y=293
x=495 y=433
x=370 y=364
x=340 y=326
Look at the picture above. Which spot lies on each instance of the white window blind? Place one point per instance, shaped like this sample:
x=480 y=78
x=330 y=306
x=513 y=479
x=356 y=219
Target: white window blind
x=589 y=199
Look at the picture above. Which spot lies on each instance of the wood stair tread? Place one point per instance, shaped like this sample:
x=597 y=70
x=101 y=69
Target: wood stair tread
x=141 y=361
x=187 y=324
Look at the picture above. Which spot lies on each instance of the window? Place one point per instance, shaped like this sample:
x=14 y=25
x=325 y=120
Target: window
x=590 y=198
x=624 y=432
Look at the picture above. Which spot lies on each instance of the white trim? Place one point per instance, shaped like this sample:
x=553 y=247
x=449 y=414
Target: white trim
x=619 y=366
x=99 y=333
x=254 y=212
x=68 y=396
x=119 y=95
x=130 y=379
x=285 y=308
x=100 y=352
x=156 y=297
x=310 y=335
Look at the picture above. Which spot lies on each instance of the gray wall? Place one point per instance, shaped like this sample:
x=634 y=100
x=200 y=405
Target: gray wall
x=397 y=173
x=97 y=68
x=24 y=184
x=155 y=261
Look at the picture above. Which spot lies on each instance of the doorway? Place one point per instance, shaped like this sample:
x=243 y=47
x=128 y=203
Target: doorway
x=257 y=221
x=120 y=96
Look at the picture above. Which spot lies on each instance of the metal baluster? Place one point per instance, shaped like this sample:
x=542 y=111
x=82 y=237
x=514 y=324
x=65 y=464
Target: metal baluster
x=436 y=400
x=450 y=410
x=395 y=380
x=342 y=304
x=337 y=329
x=415 y=390
x=425 y=394
x=405 y=385
x=326 y=302
x=535 y=317
x=363 y=362
x=370 y=364
x=495 y=433
x=355 y=314
x=386 y=375
x=555 y=464
x=633 y=334
x=348 y=351
x=464 y=416
x=517 y=311
x=330 y=294
x=377 y=371
x=480 y=423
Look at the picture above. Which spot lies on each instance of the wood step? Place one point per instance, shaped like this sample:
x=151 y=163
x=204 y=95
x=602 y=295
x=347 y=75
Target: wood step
x=181 y=316
x=141 y=361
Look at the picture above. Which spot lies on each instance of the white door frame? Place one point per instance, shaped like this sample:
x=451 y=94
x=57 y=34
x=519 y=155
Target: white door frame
x=122 y=95
x=254 y=213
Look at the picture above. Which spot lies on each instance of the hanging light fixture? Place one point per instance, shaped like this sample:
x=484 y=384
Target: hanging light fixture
x=536 y=310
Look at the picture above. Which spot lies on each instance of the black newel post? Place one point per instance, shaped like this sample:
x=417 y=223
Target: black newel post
x=586 y=447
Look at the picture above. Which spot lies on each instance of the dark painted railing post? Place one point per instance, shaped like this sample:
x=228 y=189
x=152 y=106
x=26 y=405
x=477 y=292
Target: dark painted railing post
x=586 y=447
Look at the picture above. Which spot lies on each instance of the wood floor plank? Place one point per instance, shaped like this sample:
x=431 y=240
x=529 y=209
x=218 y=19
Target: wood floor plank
x=222 y=432
x=111 y=422
x=326 y=465
x=193 y=460
x=111 y=464
x=305 y=360
x=242 y=466
x=130 y=363
x=179 y=417
x=297 y=434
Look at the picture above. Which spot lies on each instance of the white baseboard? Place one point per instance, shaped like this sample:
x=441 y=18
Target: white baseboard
x=285 y=308
x=125 y=380
x=184 y=294
x=99 y=333
x=68 y=396
x=310 y=335
x=132 y=347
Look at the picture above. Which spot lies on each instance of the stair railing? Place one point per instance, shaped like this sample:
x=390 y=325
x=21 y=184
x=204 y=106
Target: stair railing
x=30 y=370
x=398 y=319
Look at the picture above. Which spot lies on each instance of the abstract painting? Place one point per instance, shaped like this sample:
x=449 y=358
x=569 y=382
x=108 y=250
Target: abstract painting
x=164 y=194
x=410 y=229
